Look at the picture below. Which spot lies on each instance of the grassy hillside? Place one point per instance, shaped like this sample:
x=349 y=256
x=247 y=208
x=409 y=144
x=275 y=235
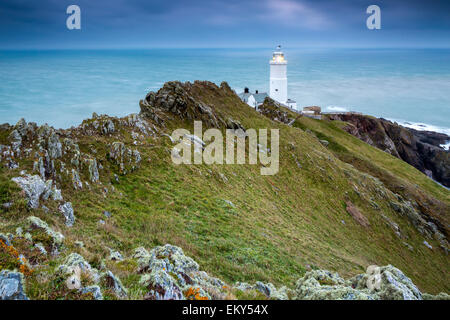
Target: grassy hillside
x=237 y=224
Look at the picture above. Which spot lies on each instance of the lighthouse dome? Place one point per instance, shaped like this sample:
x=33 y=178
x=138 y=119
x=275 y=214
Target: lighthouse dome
x=278 y=57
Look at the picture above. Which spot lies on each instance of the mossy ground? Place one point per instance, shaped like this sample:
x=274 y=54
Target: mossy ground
x=279 y=225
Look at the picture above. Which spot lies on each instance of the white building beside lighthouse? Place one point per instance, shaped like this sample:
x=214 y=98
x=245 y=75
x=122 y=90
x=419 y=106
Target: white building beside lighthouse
x=277 y=83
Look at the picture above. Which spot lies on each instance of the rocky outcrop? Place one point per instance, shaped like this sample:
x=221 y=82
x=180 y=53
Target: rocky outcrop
x=126 y=158
x=179 y=99
x=170 y=275
x=420 y=149
x=378 y=283
x=275 y=111
x=67 y=210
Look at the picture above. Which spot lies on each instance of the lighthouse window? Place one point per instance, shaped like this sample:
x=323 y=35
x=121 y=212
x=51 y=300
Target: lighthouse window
x=276 y=89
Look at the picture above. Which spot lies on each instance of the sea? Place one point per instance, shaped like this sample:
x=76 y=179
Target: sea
x=63 y=87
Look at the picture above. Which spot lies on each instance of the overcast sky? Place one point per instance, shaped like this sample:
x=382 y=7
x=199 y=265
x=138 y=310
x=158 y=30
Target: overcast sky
x=223 y=23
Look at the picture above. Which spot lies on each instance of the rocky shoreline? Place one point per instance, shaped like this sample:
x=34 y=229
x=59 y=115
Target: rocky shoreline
x=421 y=149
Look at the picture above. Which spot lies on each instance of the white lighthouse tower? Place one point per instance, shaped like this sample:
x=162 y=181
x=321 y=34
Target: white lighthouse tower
x=278 y=77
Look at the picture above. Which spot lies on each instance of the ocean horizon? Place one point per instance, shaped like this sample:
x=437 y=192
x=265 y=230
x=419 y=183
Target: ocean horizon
x=63 y=87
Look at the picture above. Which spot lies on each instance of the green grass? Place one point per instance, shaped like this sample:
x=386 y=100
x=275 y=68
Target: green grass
x=279 y=224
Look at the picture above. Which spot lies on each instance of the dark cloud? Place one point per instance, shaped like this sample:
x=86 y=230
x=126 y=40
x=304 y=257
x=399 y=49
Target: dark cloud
x=146 y=23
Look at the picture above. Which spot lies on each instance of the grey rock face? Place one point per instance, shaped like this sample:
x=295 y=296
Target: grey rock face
x=77 y=184
x=67 y=210
x=168 y=273
x=176 y=97
x=108 y=127
x=125 y=157
x=34 y=187
x=95 y=290
x=115 y=284
x=54 y=146
x=12 y=286
x=16 y=141
x=93 y=170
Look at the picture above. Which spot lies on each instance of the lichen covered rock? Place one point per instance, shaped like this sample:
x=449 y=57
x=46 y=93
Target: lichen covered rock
x=170 y=275
x=33 y=187
x=378 y=283
x=12 y=286
x=56 y=239
x=67 y=210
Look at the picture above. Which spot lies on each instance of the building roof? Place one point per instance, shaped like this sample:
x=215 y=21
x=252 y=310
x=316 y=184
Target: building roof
x=244 y=96
x=259 y=97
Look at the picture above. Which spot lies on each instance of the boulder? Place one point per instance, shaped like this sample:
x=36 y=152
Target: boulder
x=34 y=187
x=12 y=286
x=170 y=274
x=67 y=210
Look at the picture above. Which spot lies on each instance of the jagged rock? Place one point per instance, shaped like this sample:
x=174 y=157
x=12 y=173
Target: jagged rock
x=169 y=274
x=56 y=194
x=108 y=127
x=41 y=248
x=48 y=189
x=16 y=141
x=38 y=166
x=77 y=184
x=93 y=170
x=114 y=283
x=124 y=157
x=34 y=187
x=117 y=150
x=54 y=146
x=178 y=99
x=271 y=109
x=12 y=286
x=405 y=208
x=67 y=210
x=142 y=256
x=137 y=156
x=394 y=285
x=94 y=290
